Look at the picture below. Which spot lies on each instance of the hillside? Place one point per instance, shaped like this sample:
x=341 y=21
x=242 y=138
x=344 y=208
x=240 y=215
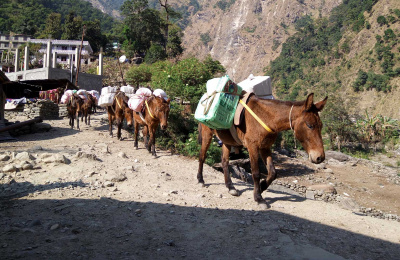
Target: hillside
x=247 y=34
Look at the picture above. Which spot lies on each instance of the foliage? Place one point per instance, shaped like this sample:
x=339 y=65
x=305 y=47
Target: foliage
x=138 y=75
x=53 y=27
x=381 y=20
x=205 y=38
x=155 y=53
x=371 y=80
x=337 y=123
x=224 y=4
x=13 y=15
x=377 y=128
x=174 y=45
x=315 y=40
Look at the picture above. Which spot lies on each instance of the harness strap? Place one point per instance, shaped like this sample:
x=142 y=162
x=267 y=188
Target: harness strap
x=255 y=116
x=147 y=105
x=234 y=134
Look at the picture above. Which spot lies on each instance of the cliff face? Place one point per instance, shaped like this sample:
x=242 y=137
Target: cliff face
x=248 y=34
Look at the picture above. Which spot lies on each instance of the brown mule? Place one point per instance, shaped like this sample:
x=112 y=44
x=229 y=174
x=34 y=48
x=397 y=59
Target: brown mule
x=301 y=116
x=87 y=108
x=74 y=107
x=119 y=111
x=156 y=111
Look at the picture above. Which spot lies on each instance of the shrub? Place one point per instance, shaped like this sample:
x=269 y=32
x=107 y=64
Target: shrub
x=381 y=20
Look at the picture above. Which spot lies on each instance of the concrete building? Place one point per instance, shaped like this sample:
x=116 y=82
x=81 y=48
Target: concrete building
x=55 y=52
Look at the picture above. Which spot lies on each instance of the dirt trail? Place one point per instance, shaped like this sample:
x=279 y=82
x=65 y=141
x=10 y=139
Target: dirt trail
x=89 y=196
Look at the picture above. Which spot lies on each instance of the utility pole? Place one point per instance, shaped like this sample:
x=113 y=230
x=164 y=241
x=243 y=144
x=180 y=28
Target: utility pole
x=79 y=58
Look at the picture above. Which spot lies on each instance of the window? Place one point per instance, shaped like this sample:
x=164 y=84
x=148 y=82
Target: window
x=73 y=48
x=5 y=44
x=63 y=58
x=7 y=37
x=16 y=38
x=64 y=48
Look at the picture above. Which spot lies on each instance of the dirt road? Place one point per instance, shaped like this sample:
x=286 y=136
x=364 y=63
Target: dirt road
x=68 y=194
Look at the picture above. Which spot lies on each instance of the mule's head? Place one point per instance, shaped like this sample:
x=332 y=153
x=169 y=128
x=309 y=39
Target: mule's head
x=128 y=113
x=307 y=129
x=161 y=111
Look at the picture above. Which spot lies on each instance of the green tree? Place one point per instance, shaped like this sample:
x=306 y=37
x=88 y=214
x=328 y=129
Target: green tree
x=72 y=29
x=174 y=45
x=137 y=75
x=337 y=123
x=52 y=28
x=381 y=20
x=94 y=35
x=142 y=26
x=155 y=53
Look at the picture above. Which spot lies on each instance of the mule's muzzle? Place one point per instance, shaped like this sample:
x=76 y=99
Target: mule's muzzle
x=316 y=157
x=163 y=127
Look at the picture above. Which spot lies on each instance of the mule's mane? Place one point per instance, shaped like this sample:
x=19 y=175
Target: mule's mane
x=281 y=102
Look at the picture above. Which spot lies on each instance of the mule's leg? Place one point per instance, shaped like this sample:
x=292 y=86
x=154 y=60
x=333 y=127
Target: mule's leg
x=119 y=124
x=145 y=132
x=110 y=122
x=255 y=173
x=136 y=135
x=225 y=163
x=89 y=118
x=77 y=120
x=267 y=158
x=205 y=138
x=152 y=143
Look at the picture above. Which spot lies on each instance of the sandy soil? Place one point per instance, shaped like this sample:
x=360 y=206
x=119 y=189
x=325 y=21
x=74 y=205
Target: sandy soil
x=89 y=196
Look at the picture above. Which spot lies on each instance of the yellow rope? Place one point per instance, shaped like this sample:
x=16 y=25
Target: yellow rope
x=148 y=109
x=255 y=116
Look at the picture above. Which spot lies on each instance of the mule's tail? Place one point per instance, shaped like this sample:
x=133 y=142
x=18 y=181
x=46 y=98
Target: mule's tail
x=199 y=138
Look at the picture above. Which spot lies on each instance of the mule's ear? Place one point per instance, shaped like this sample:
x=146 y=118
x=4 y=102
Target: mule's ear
x=309 y=102
x=168 y=100
x=320 y=105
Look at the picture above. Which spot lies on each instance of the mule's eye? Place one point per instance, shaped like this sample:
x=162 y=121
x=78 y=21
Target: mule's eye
x=309 y=126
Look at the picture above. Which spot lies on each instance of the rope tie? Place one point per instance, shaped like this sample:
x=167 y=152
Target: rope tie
x=147 y=105
x=255 y=116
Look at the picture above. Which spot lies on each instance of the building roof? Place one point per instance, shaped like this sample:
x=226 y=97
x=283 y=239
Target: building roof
x=85 y=44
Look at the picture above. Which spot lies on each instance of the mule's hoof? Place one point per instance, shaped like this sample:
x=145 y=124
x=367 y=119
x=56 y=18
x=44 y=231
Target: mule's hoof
x=201 y=184
x=234 y=192
x=136 y=148
x=262 y=205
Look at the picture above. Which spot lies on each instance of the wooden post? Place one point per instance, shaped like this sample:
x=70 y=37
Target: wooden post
x=79 y=58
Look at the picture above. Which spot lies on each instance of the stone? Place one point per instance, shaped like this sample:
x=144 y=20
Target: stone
x=341 y=157
x=328 y=170
x=56 y=158
x=24 y=156
x=54 y=227
x=9 y=168
x=325 y=188
x=350 y=204
x=86 y=155
x=310 y=194
x=117 y=178
x=4 y=157
x=122 y=155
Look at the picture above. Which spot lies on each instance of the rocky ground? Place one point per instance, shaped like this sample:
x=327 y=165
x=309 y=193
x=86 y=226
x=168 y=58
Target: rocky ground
x=69 y=194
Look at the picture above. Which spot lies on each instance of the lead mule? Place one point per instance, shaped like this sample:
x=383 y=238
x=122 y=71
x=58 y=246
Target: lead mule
x=302 y=117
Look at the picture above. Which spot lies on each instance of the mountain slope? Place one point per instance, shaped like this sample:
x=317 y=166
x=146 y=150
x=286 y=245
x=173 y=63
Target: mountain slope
x=248 y=34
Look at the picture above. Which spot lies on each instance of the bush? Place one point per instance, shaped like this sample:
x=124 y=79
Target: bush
x=155 y=53
x=137 y=75
x=381 y=20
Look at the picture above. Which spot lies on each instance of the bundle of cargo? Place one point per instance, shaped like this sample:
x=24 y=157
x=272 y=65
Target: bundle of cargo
x=160 y=93
x=136 y=102
x=217 y=107
x=67 y=94
x=259 y=85
x=95 y=94
x=128 y=90
x=82 y=93
x=107 y=96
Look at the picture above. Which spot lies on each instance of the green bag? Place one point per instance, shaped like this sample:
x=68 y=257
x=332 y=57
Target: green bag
x=217 y=107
